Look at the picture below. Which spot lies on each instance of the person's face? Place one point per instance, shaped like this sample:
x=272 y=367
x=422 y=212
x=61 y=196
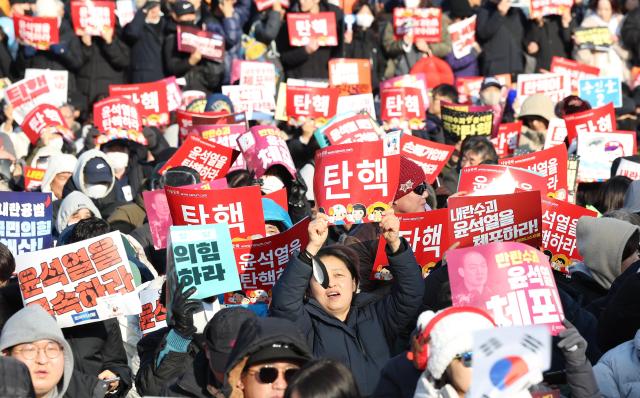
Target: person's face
x=309 y=5
x=434 y=104
x=491 y=96
x=272 y=230
x=471 y=158
x=186 y=18
x=626 y=263
x=58 y=183
x=604 y=10
x=154 y=15
x=45 y=360
x=79 y=215
x=67 y=114
x=474 y=271
x=364 y=11
x=253 y=387
x=336 y=299
x=631 y=5
x=411 y=203
x=460 y=376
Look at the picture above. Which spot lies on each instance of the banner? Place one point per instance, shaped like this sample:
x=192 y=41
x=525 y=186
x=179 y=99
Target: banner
x=25 y=221
x=542 y=8
x=311 y=102
x=151 y=99
x=424 y=23
x=478 y=220
x=250 y=99
x=261 y=262
x=33 y=178
x=210 y=45
x=629 y=169
x=351 y=76
x=430 y=155
x=93 y=17
x=522 y=289
x=264 y=147
x=598 y=151
x=559 y=222
x=596 y=38
x=302 y=26
x=355 y=183
x=556 y=133
x=154 y=315
x=81 y=282
x=26 y=94
x=38 y=32
x=464 y=124
x=490 y=179
x=203 y=258
x=159 y=215
x=551 y=163
x=209 y=159
x=553 y=85
x=600 y=91
x=599 y=120
x=41 y=117
x=236 y=207
x=262 y=5
x=574 y=69
x=463 y=36
x=402 y=104
x=117 y=115
x=347 y=128
x=427 y=235
x=506 y=141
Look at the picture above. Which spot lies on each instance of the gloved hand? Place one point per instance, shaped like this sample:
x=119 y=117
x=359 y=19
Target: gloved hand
x=298 y=192
x=573 y=345
x=182 y=310
x=58 y=49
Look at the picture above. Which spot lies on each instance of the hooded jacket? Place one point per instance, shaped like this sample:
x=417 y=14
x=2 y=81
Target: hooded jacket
x=618 y=372
x=274 y=212
x=72 y=203
x=33 y=323
x=61 y=163
x=632 y=198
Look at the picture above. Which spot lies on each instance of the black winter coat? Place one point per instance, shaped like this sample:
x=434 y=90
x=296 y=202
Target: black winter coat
x=552 y=39
x=630 y=34
x=363 y=341
x=501 y=38
x=146 y=42
x=399 y=378
x=366 y=44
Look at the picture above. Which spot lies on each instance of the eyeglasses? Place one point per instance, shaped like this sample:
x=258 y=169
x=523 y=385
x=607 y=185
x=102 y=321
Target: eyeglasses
x=267 y=374
x=466 y=358
x=30 y=351
x=419 y=190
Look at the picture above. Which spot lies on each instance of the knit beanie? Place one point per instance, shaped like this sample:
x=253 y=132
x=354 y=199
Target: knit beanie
x=411 y=175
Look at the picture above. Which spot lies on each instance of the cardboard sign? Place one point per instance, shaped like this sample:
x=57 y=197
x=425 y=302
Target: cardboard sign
x=541 y=8
x=26 y=94
x=38 y=32
x=262 y=5
x=25 y=221
x=159 y=215
x=311 y=102
x=402 y=104
x=596 y=38
x=521 y=291
x=506 y=141
x=553 y=85
x=490 y=179
x=264 y=147
x=151 y=99
x=469 y=87
x=210 y=45
x=117 y=115
x=261 y=262
x=478 y=220
x=351 y=76
x=93 y=17
x=556 y=133
x=463 y=36
x=507 y=360
x=629 y=169
x=355 y=183
x=574 y=69
x=430 y=155
x=250 y=99
x=427 y=235
x=303 y=26
x=464 y=123
x=81 y=282
x=550 y=163
x=347 y=128
x=237 y=207
x=601 y=91
x=154 y=315
x=599 y=120
x=425 y=23
x=41 y=117
x=598 y=151
x=203 y=257
x=209 y=159
x=33 y=178
x=559 y=222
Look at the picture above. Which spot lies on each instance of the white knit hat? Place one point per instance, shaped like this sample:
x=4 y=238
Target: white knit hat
x=450 y=332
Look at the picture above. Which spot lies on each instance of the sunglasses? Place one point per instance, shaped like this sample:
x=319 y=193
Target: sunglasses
x=466 y=358
x=419 y=190
x=267 y=375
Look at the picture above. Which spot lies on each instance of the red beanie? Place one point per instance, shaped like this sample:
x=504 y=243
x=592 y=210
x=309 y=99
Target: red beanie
x=411 y=175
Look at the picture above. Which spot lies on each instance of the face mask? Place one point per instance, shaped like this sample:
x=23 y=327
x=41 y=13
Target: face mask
x=97 y=191
x=118 y=160
x=412 y=3
x=491 y=99
x=364 y=20
x=271 y=184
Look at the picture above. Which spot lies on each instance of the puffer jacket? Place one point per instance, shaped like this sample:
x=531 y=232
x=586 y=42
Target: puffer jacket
x=618 y=372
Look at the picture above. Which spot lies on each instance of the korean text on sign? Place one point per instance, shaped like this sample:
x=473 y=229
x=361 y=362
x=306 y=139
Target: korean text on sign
x=25 y=221
x=154 y=315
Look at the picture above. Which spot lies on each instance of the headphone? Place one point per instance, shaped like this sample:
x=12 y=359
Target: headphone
x=421 y=357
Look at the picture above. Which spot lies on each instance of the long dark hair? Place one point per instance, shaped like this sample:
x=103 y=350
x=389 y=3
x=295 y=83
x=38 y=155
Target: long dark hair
x=345 y=254
x=323 y=378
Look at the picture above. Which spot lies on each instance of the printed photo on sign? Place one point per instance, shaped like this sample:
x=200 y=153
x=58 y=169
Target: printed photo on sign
x=25 y=221
x=159 y=215
x=598 y=151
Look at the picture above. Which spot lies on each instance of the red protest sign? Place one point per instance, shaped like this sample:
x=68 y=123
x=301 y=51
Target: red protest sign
x=261 y=261
x=427 y=235
x=556 y=133
x=223 y=134
x=117 y=115
x=151 y=99
x=253 y=73
x=506 y=141
x=629 y=169
x=302 y=26
x=41 y=117
x=491 y=179
x=402 y=103
x=357 y=128
x=463 y=36
x=541 y=8
x=478 y=220
x=33 y=178
x=361 y=177
x=210 y=160
x=186 y=121
x=26 y=94
x=39 y=32
x=264 y=147
x=237 y=207
x=312 y=102
x=559 y=222
x=599 y=120
x=425 y=23
x=553 y=85
x=210 y=45
x=351 y=76
x=430 y=155
x=511 y=281
x=262 y=5
x=574 y=69
x=154 y=315
x=550 y=163
x=93 y=17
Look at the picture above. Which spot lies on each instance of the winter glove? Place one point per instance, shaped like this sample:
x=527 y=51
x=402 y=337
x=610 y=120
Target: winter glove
x=573 y=345
x=58 y=49
x=298 y=191
x=182 y=310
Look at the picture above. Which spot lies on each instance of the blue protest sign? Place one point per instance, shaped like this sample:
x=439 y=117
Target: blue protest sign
x=599 y=91
x=25 y=221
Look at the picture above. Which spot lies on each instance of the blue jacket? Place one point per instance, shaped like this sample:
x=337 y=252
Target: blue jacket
x=362 y=342
x=618 y=372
